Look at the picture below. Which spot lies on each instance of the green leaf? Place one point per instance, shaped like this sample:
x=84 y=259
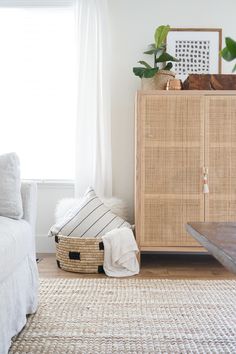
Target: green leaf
x=150 y=72
x=144 y=72
x=229 y=52
x=139 y=71
x=160 y=35
x=231 y=45
x=154 y=51
x=145 y=64
x=226 y=55
x=152 y=46
x=165 y=57
x=151 y=51
x=234 y=68
x=168 y=66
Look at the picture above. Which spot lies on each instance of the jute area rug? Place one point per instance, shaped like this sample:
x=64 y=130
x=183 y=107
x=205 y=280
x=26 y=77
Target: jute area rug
x=131 y=316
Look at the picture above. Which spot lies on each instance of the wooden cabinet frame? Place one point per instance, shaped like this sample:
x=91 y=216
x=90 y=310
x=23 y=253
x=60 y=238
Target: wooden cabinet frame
x=158 y=145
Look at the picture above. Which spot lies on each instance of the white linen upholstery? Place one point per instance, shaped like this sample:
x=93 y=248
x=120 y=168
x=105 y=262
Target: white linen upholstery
x=15 y=244
x=18 y=269
x=29 y=200
x=18 y=297
x=10 y=186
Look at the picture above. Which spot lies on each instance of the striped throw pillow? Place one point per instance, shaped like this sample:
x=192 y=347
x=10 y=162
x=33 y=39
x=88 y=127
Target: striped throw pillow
x=91 y=218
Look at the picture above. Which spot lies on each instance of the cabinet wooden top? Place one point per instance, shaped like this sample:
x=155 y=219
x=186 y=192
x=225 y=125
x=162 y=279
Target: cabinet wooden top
x=188 y=92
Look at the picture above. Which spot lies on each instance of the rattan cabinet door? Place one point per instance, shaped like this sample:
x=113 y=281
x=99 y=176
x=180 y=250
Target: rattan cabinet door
x=170 y=157
x=221 y=158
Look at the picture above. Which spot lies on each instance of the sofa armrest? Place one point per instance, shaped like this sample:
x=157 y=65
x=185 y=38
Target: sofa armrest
x=29 y=201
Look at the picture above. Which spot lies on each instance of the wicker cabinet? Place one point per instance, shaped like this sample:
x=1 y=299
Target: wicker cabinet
x=177 y=135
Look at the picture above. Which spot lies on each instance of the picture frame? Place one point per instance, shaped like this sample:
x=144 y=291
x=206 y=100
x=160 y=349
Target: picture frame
x=198 y=50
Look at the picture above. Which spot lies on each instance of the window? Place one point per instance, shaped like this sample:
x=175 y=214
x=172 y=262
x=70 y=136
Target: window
x=38 y=89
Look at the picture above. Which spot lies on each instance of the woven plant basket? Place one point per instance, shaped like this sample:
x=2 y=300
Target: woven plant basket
x=79 y=255
x=158 y=81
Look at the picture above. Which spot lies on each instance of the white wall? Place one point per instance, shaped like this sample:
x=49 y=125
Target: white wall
x=48 y=196
x=132 y=26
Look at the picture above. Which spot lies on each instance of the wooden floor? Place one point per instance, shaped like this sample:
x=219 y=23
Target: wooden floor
x=155 y=266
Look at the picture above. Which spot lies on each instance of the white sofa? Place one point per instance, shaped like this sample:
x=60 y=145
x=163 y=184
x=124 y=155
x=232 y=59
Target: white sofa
x=18 y=268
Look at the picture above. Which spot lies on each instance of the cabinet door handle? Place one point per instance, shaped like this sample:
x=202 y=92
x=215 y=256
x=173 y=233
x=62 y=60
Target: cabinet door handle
x=205 y=180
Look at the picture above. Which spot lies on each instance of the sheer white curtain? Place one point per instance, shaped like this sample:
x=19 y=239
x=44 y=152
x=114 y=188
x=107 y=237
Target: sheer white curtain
x=93 y=132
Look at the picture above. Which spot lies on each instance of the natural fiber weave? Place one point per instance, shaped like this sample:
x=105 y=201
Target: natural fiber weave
x=158 y=81
x=122 y=316
x=170 y=148
x=80 y=255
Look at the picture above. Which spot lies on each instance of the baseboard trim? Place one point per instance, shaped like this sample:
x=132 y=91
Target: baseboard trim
x=45 y=244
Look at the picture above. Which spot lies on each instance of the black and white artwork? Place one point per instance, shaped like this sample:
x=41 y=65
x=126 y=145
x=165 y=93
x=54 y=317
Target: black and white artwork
x=197 y=50
x=194 y=57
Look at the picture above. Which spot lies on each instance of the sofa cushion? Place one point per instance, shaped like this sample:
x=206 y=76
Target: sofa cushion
x=89 y=218
x=10 y=186
x=15 y=244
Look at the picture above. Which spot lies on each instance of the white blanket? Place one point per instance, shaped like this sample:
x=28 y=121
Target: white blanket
x=120 y=250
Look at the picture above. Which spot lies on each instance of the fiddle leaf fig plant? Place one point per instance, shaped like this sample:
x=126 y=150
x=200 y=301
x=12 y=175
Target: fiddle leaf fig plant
x=229 y=51
x=158 y=51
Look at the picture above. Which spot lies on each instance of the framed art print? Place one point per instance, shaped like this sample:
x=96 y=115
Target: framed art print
x=198 y=50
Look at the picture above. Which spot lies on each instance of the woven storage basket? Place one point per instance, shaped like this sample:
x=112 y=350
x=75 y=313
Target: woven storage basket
x=80 y=255
x=158 y=81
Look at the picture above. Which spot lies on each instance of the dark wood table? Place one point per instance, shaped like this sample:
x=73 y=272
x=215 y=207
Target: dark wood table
x=219 y=238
